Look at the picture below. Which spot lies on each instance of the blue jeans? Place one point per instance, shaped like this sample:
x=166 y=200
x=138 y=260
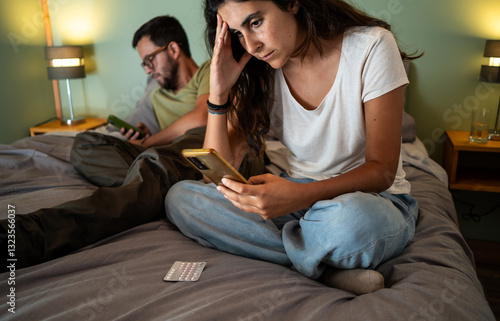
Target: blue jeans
x=355 y=230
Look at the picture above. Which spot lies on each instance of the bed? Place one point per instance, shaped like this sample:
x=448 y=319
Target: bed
x=121 y=277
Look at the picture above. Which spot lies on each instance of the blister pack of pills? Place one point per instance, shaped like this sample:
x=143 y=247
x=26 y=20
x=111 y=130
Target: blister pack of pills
x=185 y=271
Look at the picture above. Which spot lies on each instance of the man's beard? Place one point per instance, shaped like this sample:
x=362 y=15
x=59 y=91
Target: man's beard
x=169 y=75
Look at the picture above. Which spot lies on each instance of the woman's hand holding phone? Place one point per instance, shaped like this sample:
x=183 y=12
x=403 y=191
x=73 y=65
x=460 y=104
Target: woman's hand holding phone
x=268 y=195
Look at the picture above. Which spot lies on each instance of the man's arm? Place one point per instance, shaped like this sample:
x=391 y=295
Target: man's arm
x=195 y=118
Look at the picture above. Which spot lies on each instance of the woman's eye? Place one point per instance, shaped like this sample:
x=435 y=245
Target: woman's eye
x=256 y=23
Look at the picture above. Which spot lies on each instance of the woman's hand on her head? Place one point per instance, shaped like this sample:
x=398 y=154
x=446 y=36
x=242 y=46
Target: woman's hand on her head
x=224 y=69
x=268 y=195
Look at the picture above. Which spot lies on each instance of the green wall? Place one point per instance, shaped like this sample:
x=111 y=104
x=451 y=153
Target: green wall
x=444 y=82
x=25 y=92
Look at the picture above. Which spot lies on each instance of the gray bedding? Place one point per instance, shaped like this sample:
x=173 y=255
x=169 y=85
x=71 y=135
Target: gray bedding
x=121 y=277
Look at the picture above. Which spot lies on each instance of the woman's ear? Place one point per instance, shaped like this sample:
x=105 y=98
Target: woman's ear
x=294 y=6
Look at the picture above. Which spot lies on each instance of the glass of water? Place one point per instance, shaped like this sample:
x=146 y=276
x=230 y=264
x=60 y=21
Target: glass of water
x=479 y=126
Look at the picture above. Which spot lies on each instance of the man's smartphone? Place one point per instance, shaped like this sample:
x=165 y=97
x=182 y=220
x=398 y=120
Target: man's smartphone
x=212 y=165
x=117 y=122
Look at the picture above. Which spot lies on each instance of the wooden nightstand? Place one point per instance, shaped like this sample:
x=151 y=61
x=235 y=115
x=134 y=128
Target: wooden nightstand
x=472 y=167
x=90 y=123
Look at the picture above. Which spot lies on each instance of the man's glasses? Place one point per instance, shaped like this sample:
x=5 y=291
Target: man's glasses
x=148 y=60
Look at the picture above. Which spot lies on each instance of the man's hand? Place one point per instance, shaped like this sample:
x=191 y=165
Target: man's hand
x=133 y=135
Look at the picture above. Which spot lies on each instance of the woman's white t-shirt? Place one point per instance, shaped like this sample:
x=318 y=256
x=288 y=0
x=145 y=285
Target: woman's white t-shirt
x=331 y=139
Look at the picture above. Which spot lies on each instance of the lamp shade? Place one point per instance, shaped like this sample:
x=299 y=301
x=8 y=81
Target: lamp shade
x=492 y=48
x=491 y=72
x=66 y=62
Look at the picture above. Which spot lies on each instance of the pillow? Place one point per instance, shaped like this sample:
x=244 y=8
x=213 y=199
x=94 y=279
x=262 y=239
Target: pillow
x=144 y=110
x=408 y=131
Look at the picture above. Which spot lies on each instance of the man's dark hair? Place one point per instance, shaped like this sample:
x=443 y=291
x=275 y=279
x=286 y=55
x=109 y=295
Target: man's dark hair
x=162 y=30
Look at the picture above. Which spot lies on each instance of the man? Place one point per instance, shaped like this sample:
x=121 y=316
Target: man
x=176 y=106
x=180 y=103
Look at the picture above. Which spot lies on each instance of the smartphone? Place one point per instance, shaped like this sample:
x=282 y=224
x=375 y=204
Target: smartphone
x=212 y=165
x=117 y=122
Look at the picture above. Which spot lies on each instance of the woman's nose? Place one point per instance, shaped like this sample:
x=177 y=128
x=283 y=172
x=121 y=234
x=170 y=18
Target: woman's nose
x=252 y=45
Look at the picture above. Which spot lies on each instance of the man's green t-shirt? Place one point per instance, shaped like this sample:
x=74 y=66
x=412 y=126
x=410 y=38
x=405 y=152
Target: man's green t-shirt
x=169 y=105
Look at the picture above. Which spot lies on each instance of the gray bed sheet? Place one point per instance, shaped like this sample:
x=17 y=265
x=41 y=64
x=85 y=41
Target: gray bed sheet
x=35 y=172
x=121 y=277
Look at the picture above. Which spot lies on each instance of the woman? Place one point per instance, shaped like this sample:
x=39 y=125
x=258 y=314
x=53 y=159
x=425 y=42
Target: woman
x=328 y=81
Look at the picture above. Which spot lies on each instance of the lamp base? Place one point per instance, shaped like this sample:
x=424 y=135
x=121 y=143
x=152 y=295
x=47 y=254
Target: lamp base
x=494 y=135
x=73 y=121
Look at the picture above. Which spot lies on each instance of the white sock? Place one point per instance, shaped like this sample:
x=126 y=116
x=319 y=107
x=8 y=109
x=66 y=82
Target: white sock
x=357 y=281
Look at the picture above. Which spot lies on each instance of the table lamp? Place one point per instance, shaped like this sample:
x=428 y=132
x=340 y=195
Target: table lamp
x=66 y=62
x=491 y=73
